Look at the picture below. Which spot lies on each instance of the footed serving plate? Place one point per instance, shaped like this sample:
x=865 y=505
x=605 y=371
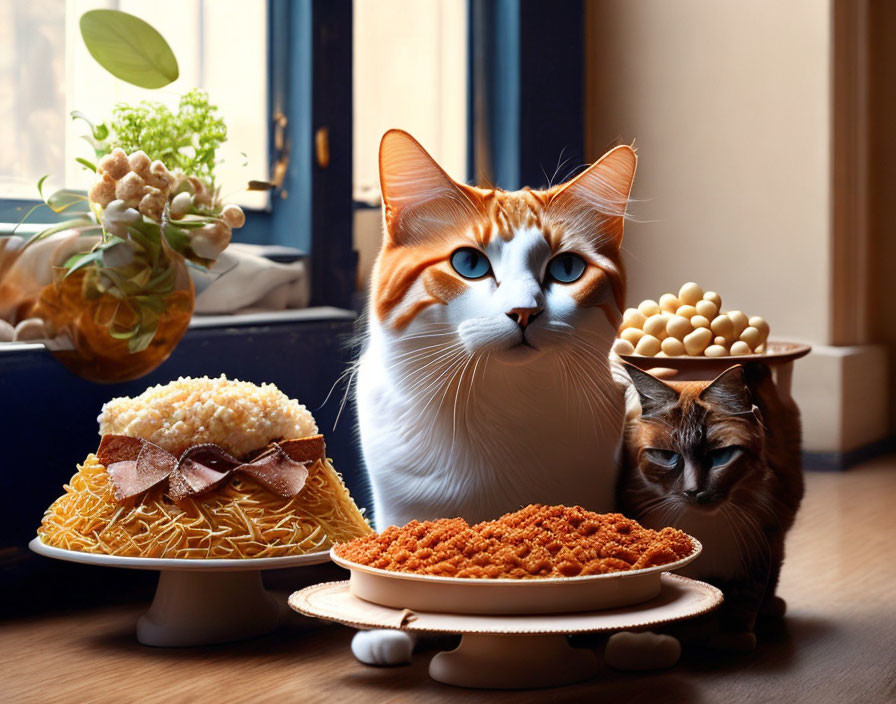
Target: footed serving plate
x=512 y=651
x=405 y=590
x=199 y=602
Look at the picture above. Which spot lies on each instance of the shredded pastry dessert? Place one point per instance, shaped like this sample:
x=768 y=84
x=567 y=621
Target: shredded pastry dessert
x=535 y=542
x=164 y=483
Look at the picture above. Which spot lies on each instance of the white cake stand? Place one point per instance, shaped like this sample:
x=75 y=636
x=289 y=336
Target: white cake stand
x=511 y=651
x=199 y=602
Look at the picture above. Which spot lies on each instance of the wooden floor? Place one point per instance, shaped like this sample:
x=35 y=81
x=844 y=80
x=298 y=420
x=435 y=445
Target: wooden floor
x=838 y=643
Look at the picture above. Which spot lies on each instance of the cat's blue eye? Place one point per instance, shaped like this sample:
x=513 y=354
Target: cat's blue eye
x=470 y=263
x=664 y=458
x=566 y=268
x=724 y=455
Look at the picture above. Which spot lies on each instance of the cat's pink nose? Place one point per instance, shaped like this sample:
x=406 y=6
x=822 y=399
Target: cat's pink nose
x=523 y=316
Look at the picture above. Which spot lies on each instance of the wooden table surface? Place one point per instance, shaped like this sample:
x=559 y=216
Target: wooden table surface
x=838 y=643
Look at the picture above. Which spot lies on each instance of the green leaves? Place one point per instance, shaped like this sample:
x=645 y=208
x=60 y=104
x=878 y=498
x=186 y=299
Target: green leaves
x=89 y=165
x=99 y=132
x=129 y=48
x=63 y=200
x=186 y=140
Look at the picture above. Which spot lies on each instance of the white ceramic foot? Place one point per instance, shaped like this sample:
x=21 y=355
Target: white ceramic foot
x=513 y=662
x=201 y=608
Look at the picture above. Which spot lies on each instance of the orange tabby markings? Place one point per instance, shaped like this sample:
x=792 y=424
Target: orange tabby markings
x=405 y=319
x=511 y=211
x=396 y=271
x=428 y=215
x=442 y=285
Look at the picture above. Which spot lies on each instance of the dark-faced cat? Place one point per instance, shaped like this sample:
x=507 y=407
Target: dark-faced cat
x=721 y=461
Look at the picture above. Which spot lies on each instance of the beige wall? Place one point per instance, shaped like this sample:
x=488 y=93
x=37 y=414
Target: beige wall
x=728 y=105
x=410 y=73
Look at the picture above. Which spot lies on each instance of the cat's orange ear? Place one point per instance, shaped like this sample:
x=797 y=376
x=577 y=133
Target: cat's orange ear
x=596 y=199
x=420 y=201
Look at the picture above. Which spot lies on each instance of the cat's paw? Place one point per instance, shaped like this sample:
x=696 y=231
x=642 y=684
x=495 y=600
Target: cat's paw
x=383 y=647
x=641 y=651
x=737 y=643
x=773 y=609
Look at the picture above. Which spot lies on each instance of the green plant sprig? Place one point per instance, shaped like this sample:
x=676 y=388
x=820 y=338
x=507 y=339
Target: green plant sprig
x=186 y=140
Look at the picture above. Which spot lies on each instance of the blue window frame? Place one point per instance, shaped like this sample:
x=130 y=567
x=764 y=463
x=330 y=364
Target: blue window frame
x=526 y=102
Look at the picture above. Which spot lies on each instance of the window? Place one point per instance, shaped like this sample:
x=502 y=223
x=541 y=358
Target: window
x=221 y=46
x=411 y=80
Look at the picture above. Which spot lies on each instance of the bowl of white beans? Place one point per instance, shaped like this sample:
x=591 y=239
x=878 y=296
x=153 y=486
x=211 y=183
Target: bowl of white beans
x=689 y=331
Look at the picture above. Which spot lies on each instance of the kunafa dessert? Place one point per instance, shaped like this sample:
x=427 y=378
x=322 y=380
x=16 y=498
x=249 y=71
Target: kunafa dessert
x=205 y=468
x=691 y=323
x=534 y=542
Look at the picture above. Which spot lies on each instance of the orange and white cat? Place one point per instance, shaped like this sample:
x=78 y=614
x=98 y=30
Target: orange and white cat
x=484 y=384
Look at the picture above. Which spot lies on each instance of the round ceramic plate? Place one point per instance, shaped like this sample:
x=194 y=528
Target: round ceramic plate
x=181 y=565
x=455 y=595
x=777 y=353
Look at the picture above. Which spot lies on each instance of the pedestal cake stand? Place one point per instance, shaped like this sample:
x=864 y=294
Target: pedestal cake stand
x=511 y=651
x=199 y=602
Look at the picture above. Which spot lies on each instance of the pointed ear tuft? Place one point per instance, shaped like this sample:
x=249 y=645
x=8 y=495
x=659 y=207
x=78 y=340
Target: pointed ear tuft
x=420 y=201
x=654 y=394
x=728 y=392
x=596 y=199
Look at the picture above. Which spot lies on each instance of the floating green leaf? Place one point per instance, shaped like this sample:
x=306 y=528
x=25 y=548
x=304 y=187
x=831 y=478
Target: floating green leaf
x=129 y=48
x=89 y=165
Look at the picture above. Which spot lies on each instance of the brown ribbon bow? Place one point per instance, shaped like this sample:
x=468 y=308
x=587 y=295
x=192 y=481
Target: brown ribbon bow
x=136 y=465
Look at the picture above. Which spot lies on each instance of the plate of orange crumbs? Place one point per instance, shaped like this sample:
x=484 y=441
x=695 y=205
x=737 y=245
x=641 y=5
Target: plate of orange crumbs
x=538 y=560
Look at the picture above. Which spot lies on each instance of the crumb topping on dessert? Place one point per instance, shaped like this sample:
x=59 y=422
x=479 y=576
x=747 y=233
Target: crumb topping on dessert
x=237 y=415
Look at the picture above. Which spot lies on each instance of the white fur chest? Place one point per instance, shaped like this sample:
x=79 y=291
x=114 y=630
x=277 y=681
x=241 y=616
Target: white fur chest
x=485 y=446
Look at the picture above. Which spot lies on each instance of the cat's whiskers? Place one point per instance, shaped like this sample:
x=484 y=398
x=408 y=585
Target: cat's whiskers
x=745 y=531
x=752 y=523
x=406 y=358
x=429 y=375
x=350 y=372
x=589 y=367
x=450 y=370
x=596 y=359
x=449 y=384
x=667 y=512
x=460 y=383
x=580 y=390
x=768 y=509
x=739 y=531
x=471 y=386
x=422 y=335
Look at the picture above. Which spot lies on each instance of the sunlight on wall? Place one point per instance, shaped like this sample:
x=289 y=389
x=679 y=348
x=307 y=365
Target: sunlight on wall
x=410 y=72
x=221 y=46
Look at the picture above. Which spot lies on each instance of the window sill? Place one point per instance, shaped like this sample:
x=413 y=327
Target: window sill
x=202 y=322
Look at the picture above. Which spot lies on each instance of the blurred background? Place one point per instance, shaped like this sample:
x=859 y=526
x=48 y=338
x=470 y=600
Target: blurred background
x=763 y=131
x=767 y=172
